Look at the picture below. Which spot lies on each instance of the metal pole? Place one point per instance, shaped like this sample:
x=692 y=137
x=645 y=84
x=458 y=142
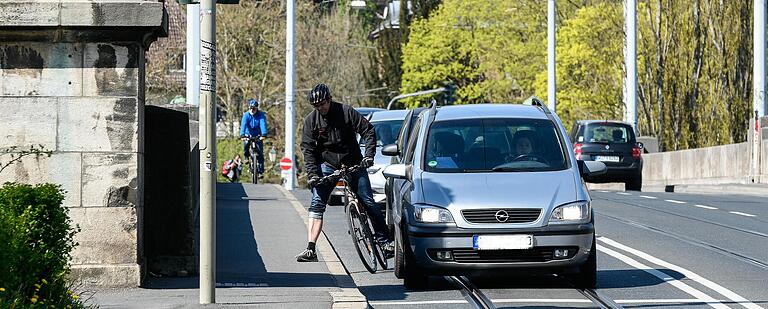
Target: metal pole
x=208 y=152
x=193 y=54
x=758 y=71
x=289 y=175
x=758 y=65
x=551 y=43
x=630 y=58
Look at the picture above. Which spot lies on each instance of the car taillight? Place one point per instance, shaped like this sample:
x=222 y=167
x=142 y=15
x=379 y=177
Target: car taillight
x=577 y=151
x=636 y=152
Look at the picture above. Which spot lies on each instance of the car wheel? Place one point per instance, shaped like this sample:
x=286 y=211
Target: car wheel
x=587 y=276
x=405 y=264
x=634 y=184
x=399 y=255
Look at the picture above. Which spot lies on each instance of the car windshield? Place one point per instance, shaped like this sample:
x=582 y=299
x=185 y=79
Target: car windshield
x=386 y=131
x=493 y=145
x=614 y=133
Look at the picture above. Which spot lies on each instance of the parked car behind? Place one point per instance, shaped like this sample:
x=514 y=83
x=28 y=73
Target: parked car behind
x=338 y=191
x=613 y=143
x=491 y=189
x=387 y=125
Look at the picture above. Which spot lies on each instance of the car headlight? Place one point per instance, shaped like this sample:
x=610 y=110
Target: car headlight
x=571 y=213
x=432 y=214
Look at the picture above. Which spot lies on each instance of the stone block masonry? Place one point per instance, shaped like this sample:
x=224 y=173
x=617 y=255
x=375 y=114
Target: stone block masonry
x=72 y=81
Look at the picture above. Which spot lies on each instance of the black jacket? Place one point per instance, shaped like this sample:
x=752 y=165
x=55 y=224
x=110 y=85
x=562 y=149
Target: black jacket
x=331 y=138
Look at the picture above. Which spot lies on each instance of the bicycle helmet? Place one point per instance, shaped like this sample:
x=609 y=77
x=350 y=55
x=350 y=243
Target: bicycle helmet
x=253 y=103
x=318 y=94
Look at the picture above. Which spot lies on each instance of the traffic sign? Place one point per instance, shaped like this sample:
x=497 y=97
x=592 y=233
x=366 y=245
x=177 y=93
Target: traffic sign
x=286 y=164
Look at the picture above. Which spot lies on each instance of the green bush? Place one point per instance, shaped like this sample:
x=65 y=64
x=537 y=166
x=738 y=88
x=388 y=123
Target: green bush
x=36 y=241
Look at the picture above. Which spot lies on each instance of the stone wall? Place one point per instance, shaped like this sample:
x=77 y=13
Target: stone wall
x=72 y=81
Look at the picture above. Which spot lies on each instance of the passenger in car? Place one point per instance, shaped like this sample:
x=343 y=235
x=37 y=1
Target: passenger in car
x=446 y=148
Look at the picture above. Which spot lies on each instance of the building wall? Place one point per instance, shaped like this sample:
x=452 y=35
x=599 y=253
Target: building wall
x=72 y=82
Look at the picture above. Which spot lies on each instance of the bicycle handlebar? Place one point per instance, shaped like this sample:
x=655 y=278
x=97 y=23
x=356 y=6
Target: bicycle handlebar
x=339 y=173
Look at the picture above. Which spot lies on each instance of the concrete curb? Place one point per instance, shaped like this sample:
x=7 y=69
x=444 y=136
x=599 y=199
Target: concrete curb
x=350 y=296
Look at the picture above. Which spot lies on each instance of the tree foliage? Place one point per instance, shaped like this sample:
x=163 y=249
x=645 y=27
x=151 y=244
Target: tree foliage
x=694 y=61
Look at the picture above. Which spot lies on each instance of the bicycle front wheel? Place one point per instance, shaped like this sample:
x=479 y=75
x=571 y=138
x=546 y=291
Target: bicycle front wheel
x=254 y=173
x=362 y=238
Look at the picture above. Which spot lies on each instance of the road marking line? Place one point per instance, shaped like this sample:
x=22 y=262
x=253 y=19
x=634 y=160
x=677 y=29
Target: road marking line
x=623 y=193
x=664 y=277
x=742 y=214
x=675 y=201
x=691 y=275
x=684 y=301
x=704 y=206
x=602 y=191
x=648 y=197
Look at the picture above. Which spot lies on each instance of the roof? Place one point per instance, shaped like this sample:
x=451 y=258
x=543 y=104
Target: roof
x=398 y=114
x=602 y=121
x=489 y=111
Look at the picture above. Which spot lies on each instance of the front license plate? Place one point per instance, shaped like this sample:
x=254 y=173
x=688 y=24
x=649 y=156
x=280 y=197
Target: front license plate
x=502 y=242
x=607 y=158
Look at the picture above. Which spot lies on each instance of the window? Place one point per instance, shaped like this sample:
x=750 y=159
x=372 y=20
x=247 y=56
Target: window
x=414 y=136
x=499 y=145
x=614 y=133
x=386 y=132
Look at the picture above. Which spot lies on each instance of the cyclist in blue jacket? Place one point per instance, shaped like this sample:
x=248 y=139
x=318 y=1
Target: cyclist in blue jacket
x=254 y=123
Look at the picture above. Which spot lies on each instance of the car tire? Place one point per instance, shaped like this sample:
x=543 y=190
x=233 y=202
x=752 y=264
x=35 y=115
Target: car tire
x=586 y=278
x=399 y=255
x=405 y=264
x=634 y=184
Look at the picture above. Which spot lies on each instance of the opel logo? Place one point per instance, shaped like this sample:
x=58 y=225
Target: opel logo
x=502 y=216
x=607 y=147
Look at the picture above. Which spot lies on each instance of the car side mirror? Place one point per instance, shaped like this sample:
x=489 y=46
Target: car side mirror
x=390 y=150
x=398 y=171
x=592 y=168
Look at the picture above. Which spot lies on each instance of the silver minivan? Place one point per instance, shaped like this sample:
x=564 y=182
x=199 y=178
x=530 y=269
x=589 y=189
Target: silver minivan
x=491 y=188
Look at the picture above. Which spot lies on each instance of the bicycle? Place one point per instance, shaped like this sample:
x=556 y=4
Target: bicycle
x=253 y=165
x=361 y=229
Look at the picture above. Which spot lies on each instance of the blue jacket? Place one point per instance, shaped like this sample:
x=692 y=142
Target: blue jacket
x=253 y=124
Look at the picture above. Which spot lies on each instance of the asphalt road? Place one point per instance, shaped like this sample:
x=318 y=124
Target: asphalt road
x=655 y=250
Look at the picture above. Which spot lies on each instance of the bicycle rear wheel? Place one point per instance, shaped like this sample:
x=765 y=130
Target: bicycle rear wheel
x=362 y=238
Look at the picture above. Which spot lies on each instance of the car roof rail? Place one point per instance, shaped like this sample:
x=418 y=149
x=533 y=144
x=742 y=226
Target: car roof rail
x=535 y=101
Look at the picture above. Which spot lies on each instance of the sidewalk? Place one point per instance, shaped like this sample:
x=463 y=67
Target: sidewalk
x=259 y=230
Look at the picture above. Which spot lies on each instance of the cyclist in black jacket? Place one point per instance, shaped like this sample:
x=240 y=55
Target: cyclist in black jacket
x=328 y=141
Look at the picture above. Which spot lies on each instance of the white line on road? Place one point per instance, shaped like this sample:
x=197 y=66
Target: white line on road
x=675 y=201
x=684 y=301
x=648 y=197
x=691 y=275
x=623 y=193
x=701 y=296
x=704 y=206
x=742 y=214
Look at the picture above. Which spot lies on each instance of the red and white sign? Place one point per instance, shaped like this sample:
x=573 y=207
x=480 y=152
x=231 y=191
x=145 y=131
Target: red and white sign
x=286 y=164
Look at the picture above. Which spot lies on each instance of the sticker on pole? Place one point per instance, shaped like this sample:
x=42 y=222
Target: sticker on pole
x=286 y=164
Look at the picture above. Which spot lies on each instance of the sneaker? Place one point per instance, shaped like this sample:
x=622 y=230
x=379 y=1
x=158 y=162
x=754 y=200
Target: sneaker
x=307 y=256
x=389 y=249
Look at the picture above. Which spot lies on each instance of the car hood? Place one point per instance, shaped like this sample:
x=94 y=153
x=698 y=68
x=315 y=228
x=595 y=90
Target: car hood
x=458 y=191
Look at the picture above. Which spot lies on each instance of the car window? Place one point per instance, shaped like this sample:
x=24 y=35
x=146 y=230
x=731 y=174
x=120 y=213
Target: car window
x=386 y=132
x=413 y=137
x=501 y=145
x=614 y=133
x=402 y=137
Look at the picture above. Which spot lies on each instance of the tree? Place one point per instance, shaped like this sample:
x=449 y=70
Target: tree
x=488 y=49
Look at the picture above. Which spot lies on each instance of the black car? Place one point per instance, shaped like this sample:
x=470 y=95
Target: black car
x=613 y=143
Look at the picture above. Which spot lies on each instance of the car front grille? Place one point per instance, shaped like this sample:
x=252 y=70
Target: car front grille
x=501 y=215
x=538 y=254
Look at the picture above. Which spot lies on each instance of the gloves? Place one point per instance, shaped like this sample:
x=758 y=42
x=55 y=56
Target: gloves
x=313 y=181
x=367 y=162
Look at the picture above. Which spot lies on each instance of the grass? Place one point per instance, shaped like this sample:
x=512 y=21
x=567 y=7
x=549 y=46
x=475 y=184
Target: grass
x=228 y=147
